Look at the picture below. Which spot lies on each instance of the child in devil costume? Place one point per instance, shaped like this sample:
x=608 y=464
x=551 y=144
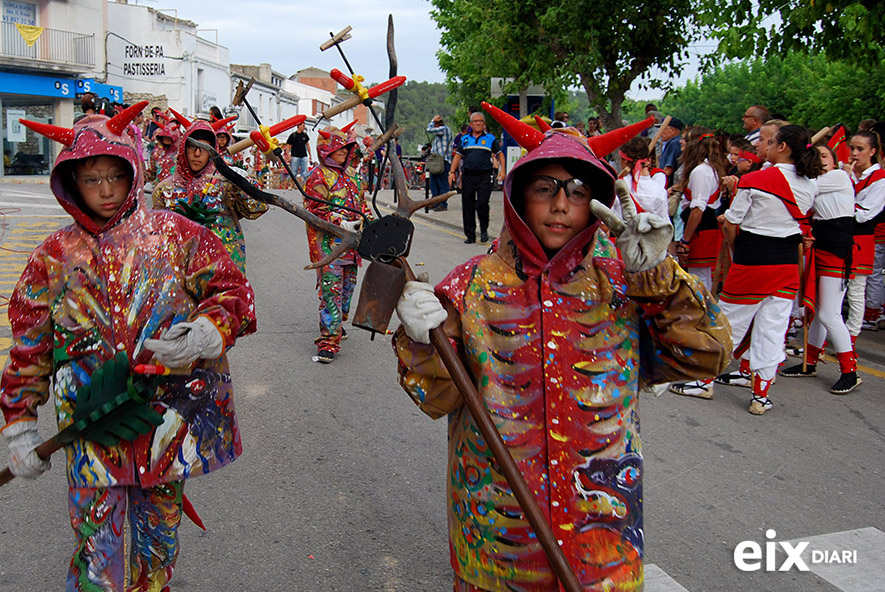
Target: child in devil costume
x=112 y=282
x=335 y=181
x=162 y=160
x=559 y=333
x=197 y=192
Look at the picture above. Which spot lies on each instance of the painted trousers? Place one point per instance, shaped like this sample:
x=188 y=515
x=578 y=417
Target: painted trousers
x=335 y=285
x=98 y=516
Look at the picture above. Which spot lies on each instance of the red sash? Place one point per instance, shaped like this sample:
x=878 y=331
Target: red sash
x=863 y=256
x=712 y=199
x=773 y=182
x=876 y=175
x=751 y=284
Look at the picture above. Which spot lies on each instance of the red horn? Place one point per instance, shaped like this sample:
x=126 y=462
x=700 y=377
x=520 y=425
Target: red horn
x=524 y=134
x=122 y=119
x=62 y=135
x=325 y=134
x=542 y=125
x=181 y=118
x=609 y=142
x=349 y=126
x=217 y=125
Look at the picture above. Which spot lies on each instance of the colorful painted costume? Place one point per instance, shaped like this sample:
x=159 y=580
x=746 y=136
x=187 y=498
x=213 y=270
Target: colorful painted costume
x=558 y=348
x=336 y=281
x=209 y=199
x=89 y=292
x=162 y=160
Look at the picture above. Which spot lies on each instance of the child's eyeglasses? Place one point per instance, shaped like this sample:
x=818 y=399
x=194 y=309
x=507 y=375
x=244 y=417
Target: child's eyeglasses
x=113 y=179
x=544 y=188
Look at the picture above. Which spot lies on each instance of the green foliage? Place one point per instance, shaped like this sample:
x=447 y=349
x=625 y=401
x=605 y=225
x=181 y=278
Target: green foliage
x=541 y=42
x=809 y=90
x=416 y=104
x=842 y=29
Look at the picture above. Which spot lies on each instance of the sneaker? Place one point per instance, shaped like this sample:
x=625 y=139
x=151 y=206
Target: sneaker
x=869 y=326
x=343 y=334
x=759 y=405
x=794 y=351
x=846 y=383
x=324 y=357
x=441 y=207
x=484 y=237
x=735 y=378
x=793 y=371
x=695 y=388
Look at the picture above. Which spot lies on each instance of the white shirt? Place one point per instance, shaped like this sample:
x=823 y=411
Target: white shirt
x=835 y=196
x=762 y=213
x=651 y=194
x=702 y=183
x=870 y=200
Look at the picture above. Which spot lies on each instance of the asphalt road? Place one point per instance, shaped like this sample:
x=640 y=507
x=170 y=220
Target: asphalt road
x=341 y=485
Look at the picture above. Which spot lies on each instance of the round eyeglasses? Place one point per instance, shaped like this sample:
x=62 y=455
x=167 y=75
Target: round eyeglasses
x=543 y=189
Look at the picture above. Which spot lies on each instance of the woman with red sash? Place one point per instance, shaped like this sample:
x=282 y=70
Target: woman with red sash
x=705 y=165
x=647 y=184
x=865 y=290
x=771 y=208
x=833 y=231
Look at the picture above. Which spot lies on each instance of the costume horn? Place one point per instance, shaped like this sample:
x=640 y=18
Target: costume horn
x=524 y=134
x=181 y=118
x=349 y=126
x=62 y=135
x=542 y=125
x=118 y=122
x=326 y=135
x=607 y=143
x=217 y=125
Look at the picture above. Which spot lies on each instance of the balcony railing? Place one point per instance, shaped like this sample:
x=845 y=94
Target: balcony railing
x=53 y=46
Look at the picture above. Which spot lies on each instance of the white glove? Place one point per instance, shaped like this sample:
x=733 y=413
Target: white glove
x=185 y=342
x=22 y=439
x=351 y=225
x=642 y=238
x=419 y=310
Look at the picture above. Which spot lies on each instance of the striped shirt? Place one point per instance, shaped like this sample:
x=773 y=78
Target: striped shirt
x=442 y=140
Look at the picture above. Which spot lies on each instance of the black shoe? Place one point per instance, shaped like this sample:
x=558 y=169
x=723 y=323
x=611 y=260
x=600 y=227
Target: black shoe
x=484 y=237
x=324 y=357
x=469 y=241
x=810 y=370
x=343 y=334
x=846 y=383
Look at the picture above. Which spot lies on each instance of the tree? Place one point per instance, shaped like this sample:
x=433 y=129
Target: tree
x=808 y=90
x=563 y=43
x=850 y=30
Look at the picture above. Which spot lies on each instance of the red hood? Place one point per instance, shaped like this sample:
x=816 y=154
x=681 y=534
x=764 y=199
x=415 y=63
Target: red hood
x=93 y=138
x=184 y=177
x=557 y=145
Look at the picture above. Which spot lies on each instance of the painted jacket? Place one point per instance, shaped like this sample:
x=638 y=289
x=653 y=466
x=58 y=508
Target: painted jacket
x=342 y=188
x=89 y=292
x=558 y=349
x=211 y=194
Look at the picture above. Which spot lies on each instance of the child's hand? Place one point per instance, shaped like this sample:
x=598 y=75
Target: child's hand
x=419 y=310
x=642 y=238
x=22 y=439
x=183 y=343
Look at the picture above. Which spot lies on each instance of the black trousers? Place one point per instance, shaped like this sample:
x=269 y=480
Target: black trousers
x=476 y=190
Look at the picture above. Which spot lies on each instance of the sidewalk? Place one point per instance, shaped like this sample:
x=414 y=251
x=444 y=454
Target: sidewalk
x=25 y=179
x=451 y=218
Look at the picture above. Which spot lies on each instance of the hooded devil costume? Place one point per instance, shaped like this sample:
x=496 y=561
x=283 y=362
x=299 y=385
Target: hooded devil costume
x=558 y=346
x=338 y=184
x=89 y=292
x=161 y=163
x=207 y=197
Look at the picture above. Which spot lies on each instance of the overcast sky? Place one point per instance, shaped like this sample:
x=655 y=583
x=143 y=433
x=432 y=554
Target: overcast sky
x=287 y=35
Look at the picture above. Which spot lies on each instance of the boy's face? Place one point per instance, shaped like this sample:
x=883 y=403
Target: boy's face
x=165 y=141
x=558 y=219
x=103 y=183
x=340 y=155
x=197 y=158
x=766 y=139
x=222 y=141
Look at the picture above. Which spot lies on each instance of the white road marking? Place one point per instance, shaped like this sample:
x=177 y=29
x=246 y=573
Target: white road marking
x=867 y=575
x=657 y=580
